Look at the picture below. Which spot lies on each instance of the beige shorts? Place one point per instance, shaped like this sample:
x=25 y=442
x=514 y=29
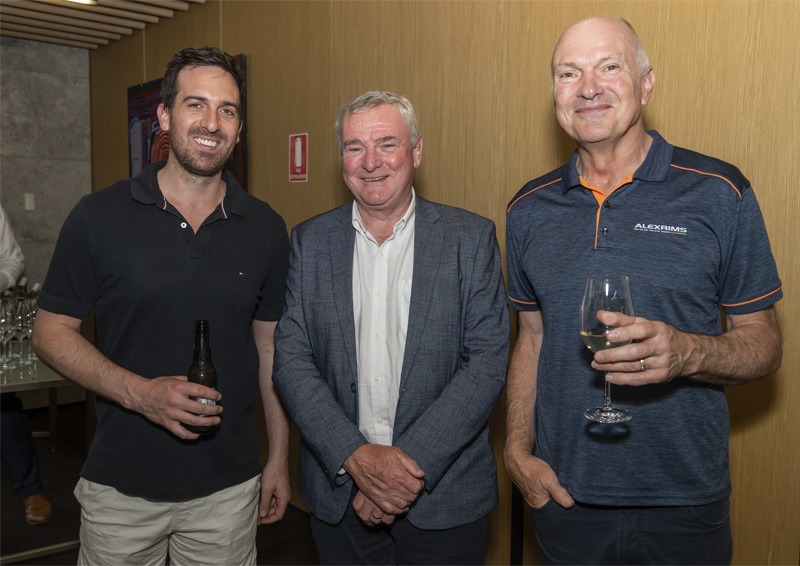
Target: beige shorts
x=123 y=529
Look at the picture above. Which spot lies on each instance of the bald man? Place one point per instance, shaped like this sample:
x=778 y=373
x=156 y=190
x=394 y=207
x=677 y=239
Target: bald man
x=686 y=229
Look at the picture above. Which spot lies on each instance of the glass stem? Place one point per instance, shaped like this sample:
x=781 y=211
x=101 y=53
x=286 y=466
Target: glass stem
x=607 y=395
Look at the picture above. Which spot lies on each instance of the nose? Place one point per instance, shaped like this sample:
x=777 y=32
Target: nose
x=209 y=120
x=590 y=87
x=372 y=159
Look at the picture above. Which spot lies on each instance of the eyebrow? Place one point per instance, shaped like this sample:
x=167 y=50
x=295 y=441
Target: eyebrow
x=378 y=140
x=206 y=99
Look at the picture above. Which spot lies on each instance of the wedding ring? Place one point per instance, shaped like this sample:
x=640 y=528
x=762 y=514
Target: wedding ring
x=642 y=367
x=376 y=517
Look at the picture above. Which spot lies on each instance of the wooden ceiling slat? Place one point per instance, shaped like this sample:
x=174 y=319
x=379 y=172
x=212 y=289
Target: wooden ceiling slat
x=101 y=9
x=44 y=25
x=47 y=39
x=6 y=9
x=171 y=4
x=134 y=8
x=37 y=6
x=79 y=25
x=49 y=33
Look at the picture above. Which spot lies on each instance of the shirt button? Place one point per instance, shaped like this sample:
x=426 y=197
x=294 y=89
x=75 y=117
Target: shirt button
x=605 y=231
x=377 y=293
x=380 y=421
x=607 y=204
x=377 y=335
x=183 y=225
x=376 y=379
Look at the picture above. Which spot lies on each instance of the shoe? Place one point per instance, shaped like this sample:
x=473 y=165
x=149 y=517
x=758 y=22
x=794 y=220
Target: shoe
x=37 y=509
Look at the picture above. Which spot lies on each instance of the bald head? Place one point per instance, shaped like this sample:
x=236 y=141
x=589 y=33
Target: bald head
x=613 y=25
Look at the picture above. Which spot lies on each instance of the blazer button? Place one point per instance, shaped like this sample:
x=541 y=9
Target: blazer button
x=353 y=387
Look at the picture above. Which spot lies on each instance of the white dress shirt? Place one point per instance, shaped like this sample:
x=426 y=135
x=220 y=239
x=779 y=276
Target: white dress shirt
x=11 y=258
x=382 y=276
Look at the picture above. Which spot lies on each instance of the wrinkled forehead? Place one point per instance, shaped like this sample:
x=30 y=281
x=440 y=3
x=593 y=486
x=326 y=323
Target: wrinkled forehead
x=593 y=38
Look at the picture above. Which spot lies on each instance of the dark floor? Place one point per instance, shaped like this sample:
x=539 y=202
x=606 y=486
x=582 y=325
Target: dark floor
x=286 y=542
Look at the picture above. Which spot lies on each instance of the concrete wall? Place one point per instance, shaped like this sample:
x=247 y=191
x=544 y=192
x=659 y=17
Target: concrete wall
x=44 y=151
x=44 y=142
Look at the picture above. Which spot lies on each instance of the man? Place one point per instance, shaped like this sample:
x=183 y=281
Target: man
x=182 y=241
x=18 y=451
x=391 y=355
x=687 y=230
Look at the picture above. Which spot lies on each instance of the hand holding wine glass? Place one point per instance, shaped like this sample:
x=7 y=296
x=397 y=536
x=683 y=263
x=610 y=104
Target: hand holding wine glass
x=604 y=293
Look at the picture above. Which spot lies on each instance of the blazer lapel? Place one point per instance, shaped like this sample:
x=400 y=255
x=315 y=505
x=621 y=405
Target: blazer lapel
x=342 y=240
x=428 y=238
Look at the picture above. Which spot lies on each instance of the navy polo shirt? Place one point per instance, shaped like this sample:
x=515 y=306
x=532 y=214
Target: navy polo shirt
x=687 y=230
x=128 y=255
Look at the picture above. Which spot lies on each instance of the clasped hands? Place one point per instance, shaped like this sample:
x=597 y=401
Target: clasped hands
x=657 y=352
x=388 y=481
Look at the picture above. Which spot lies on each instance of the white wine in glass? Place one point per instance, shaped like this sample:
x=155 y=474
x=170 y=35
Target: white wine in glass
x=604 y=293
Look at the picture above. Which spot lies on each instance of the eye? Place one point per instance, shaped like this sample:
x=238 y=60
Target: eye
x=388 y=146
x=352 y=150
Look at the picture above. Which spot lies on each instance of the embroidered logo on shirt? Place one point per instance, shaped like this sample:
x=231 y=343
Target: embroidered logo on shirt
x=661 y=229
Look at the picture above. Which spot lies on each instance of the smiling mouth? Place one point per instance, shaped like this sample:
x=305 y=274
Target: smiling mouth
x=206 y=142
x=374 y=179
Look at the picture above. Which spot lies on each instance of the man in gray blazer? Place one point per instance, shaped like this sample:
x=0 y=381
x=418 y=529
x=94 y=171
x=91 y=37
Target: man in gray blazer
x=390 y=356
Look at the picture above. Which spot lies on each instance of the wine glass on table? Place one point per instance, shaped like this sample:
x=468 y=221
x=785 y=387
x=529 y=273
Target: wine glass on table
x=604 y=293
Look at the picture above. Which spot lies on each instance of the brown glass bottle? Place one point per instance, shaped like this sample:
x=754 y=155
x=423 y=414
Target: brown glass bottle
x=202 y=370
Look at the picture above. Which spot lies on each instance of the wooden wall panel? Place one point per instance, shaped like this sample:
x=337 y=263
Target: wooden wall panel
x=478 y=75
x=288 y=93
x=112 y=70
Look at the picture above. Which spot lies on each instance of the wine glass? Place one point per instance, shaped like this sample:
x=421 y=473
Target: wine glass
x=604 y=293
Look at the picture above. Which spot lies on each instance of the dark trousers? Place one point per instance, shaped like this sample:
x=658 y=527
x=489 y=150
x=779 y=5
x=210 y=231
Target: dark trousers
x=353 y=542
x=587 y=534
x=16 y=447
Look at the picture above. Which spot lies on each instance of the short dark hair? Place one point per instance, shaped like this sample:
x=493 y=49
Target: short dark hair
x=198 y=57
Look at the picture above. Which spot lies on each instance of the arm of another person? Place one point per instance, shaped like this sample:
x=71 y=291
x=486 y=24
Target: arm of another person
x=163 y=400
x=11 y=259
x=533 y=476
x=275 y=491
x=751 y=349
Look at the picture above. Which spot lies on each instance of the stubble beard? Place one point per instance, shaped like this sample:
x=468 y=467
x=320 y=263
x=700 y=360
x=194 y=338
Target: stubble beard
x=189 y=161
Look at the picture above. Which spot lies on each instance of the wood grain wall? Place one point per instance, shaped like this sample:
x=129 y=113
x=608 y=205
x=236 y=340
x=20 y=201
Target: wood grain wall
x=727 y=72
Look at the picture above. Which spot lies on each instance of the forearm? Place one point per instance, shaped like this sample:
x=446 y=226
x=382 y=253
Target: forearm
x=521 y=387
x=274 y=413
x=58 y=343
x=747 y=352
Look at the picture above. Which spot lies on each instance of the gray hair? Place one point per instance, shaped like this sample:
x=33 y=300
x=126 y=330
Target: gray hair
x=375 y=98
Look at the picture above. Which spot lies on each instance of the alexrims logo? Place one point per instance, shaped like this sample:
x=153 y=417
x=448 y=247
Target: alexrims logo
x=661 y=229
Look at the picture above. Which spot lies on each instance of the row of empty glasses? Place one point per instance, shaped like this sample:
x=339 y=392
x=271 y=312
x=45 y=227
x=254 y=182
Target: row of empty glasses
x=17 y=315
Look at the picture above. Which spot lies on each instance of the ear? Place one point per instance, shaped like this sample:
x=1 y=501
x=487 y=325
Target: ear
x=417 y=152
x=163 y=117
x=648 y=84
x=239 y=133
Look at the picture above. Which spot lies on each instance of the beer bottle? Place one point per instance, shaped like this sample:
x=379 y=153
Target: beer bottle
x=202 y=371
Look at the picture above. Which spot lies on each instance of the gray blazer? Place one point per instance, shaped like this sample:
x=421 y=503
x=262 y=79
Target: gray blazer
x=454 y=363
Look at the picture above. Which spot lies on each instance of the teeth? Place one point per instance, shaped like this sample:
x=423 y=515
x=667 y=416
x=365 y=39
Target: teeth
x=207 y=143
x=373 y=179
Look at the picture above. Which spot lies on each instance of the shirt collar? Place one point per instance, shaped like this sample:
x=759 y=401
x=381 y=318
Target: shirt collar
x=654 y=167
x=145 y=189
x=399 y=226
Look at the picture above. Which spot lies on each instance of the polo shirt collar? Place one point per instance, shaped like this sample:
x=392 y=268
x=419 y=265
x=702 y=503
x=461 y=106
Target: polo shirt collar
x=145 y=189
x=654 y=167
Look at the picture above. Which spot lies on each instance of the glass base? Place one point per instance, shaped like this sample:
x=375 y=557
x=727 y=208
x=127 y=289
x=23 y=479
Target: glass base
x=607 y=415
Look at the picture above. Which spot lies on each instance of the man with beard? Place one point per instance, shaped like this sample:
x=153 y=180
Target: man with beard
x=149 y=256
